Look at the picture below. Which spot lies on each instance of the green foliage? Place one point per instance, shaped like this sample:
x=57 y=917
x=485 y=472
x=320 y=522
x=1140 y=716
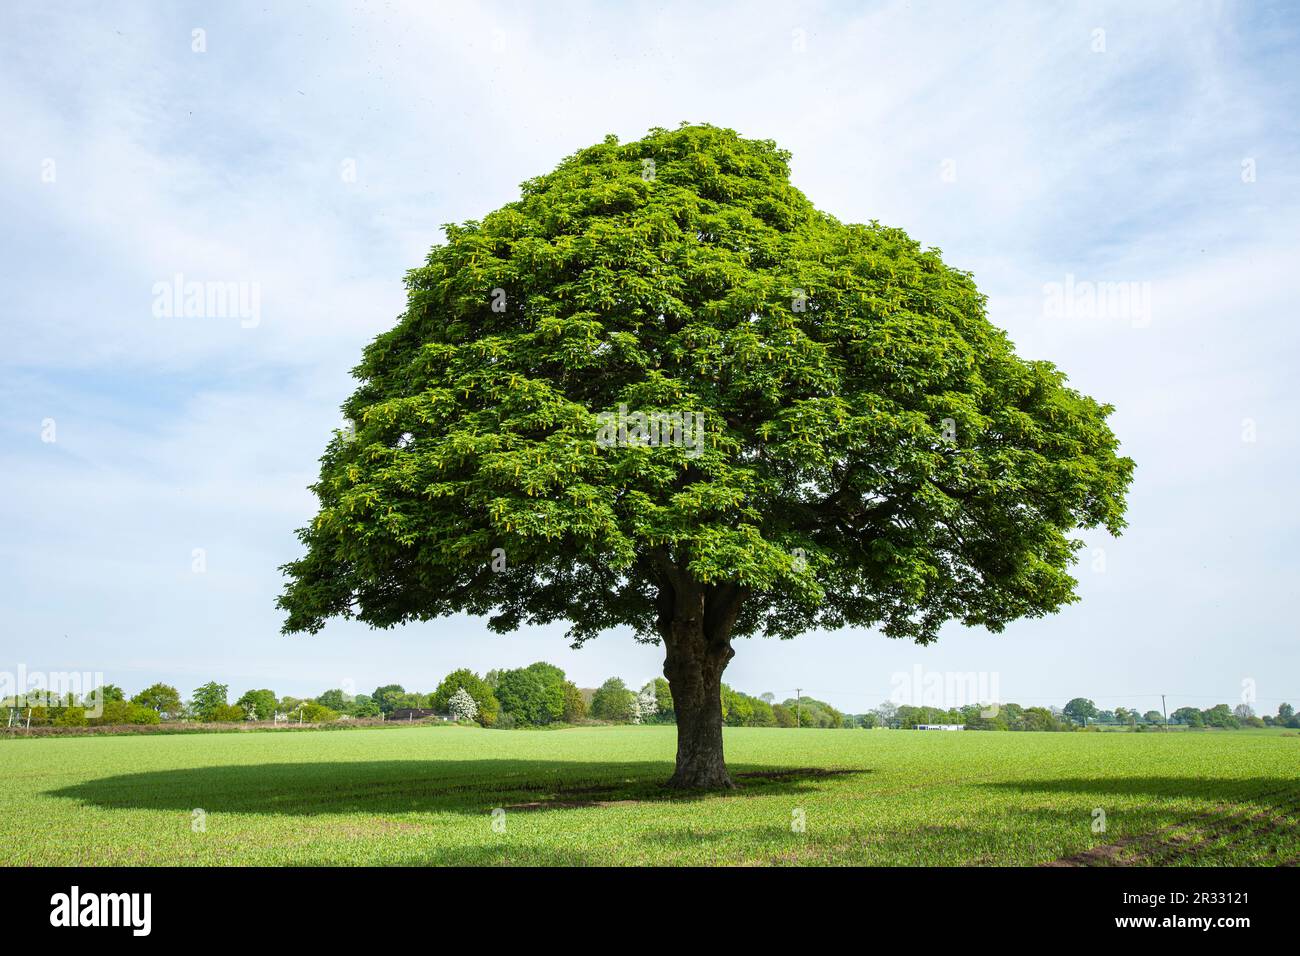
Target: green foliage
x=575 y=706
x=314 y=713
x=484 y=697
x=875 y=454
x=613 y=702
x=108 y=692
x=533 y=694
x=1080 y=709
x=207 y=700
x=334 y=699
x=663 y=695
x=227 y=713
x=124 y=712
x=815 y=713
x=260 y=702
x=71 y=717
x=163 y=699
x=385 y=697
x=1220 y=715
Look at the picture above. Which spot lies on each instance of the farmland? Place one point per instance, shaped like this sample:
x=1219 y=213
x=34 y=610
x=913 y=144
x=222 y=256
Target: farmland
x=426 y=795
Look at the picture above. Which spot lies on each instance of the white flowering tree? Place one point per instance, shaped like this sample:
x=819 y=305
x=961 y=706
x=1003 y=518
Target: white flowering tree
x=462 y=705
x=645 y=705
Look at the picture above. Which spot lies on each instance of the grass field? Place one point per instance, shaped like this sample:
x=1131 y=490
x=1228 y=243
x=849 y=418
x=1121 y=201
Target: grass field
x=425 y=795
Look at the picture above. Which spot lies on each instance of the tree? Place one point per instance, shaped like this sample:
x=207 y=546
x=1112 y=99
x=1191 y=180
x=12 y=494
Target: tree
x=552 y=681
x=887 y=713
x=525 y=697
x=662 y=391
x=1284 y=713
x=1190 y=716
x=259 y=703
x=575 y=706
x=486 y=705
x=105 y=693
x=810 y=712
x=662 y=711
x=386 y=697
x=206 y=700
x=334 y=699
x=613 y=702
x=1220 y=715
x=462 y=706
x=1081 y=709
x=1153 y=717
x=162 y=699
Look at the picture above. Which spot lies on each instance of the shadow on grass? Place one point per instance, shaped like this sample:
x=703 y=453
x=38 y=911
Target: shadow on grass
x=403 y=786
x=1176 y=820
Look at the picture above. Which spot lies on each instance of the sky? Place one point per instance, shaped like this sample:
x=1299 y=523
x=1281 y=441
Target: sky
x=154 y=467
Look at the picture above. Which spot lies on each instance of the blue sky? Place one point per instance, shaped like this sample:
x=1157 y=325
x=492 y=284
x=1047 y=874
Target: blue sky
x=1151 y=144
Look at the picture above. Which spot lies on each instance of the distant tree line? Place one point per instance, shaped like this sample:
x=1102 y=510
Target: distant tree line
x=533 y=696
x=540 y=695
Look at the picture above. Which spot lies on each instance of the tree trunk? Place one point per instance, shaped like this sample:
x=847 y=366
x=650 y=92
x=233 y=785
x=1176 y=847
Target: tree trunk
x=695 y=676
x=696 y=623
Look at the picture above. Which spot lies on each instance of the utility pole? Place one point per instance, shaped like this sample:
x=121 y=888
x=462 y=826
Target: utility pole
x=1164 y=711
x=798 y=707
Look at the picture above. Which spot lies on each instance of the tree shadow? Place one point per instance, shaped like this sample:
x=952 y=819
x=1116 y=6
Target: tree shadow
x=1161 y=821
x=404 y=786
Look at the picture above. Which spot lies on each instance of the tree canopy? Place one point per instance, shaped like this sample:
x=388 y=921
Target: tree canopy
x=875 y=454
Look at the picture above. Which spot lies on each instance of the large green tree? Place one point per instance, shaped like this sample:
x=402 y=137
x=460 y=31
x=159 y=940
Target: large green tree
x=163 y=699
x=870 y=451
x=484 y=699
x=1081 y=709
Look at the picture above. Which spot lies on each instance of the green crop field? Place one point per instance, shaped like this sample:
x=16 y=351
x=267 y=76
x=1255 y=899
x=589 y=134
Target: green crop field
x=426 y=795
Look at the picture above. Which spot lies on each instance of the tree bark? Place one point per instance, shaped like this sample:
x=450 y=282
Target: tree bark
x=694 y=673
x=696 y=623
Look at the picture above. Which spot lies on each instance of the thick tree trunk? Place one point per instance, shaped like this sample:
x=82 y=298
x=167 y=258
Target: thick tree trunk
x=696 y=623
x=694 y=674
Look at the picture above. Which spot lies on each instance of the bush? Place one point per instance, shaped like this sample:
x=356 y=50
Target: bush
x=71 y=717
x=118 y=712
x=314 y=713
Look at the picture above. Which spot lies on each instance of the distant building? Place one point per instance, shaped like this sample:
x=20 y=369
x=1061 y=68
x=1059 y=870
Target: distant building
x=939 y=727
x=414 y=713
